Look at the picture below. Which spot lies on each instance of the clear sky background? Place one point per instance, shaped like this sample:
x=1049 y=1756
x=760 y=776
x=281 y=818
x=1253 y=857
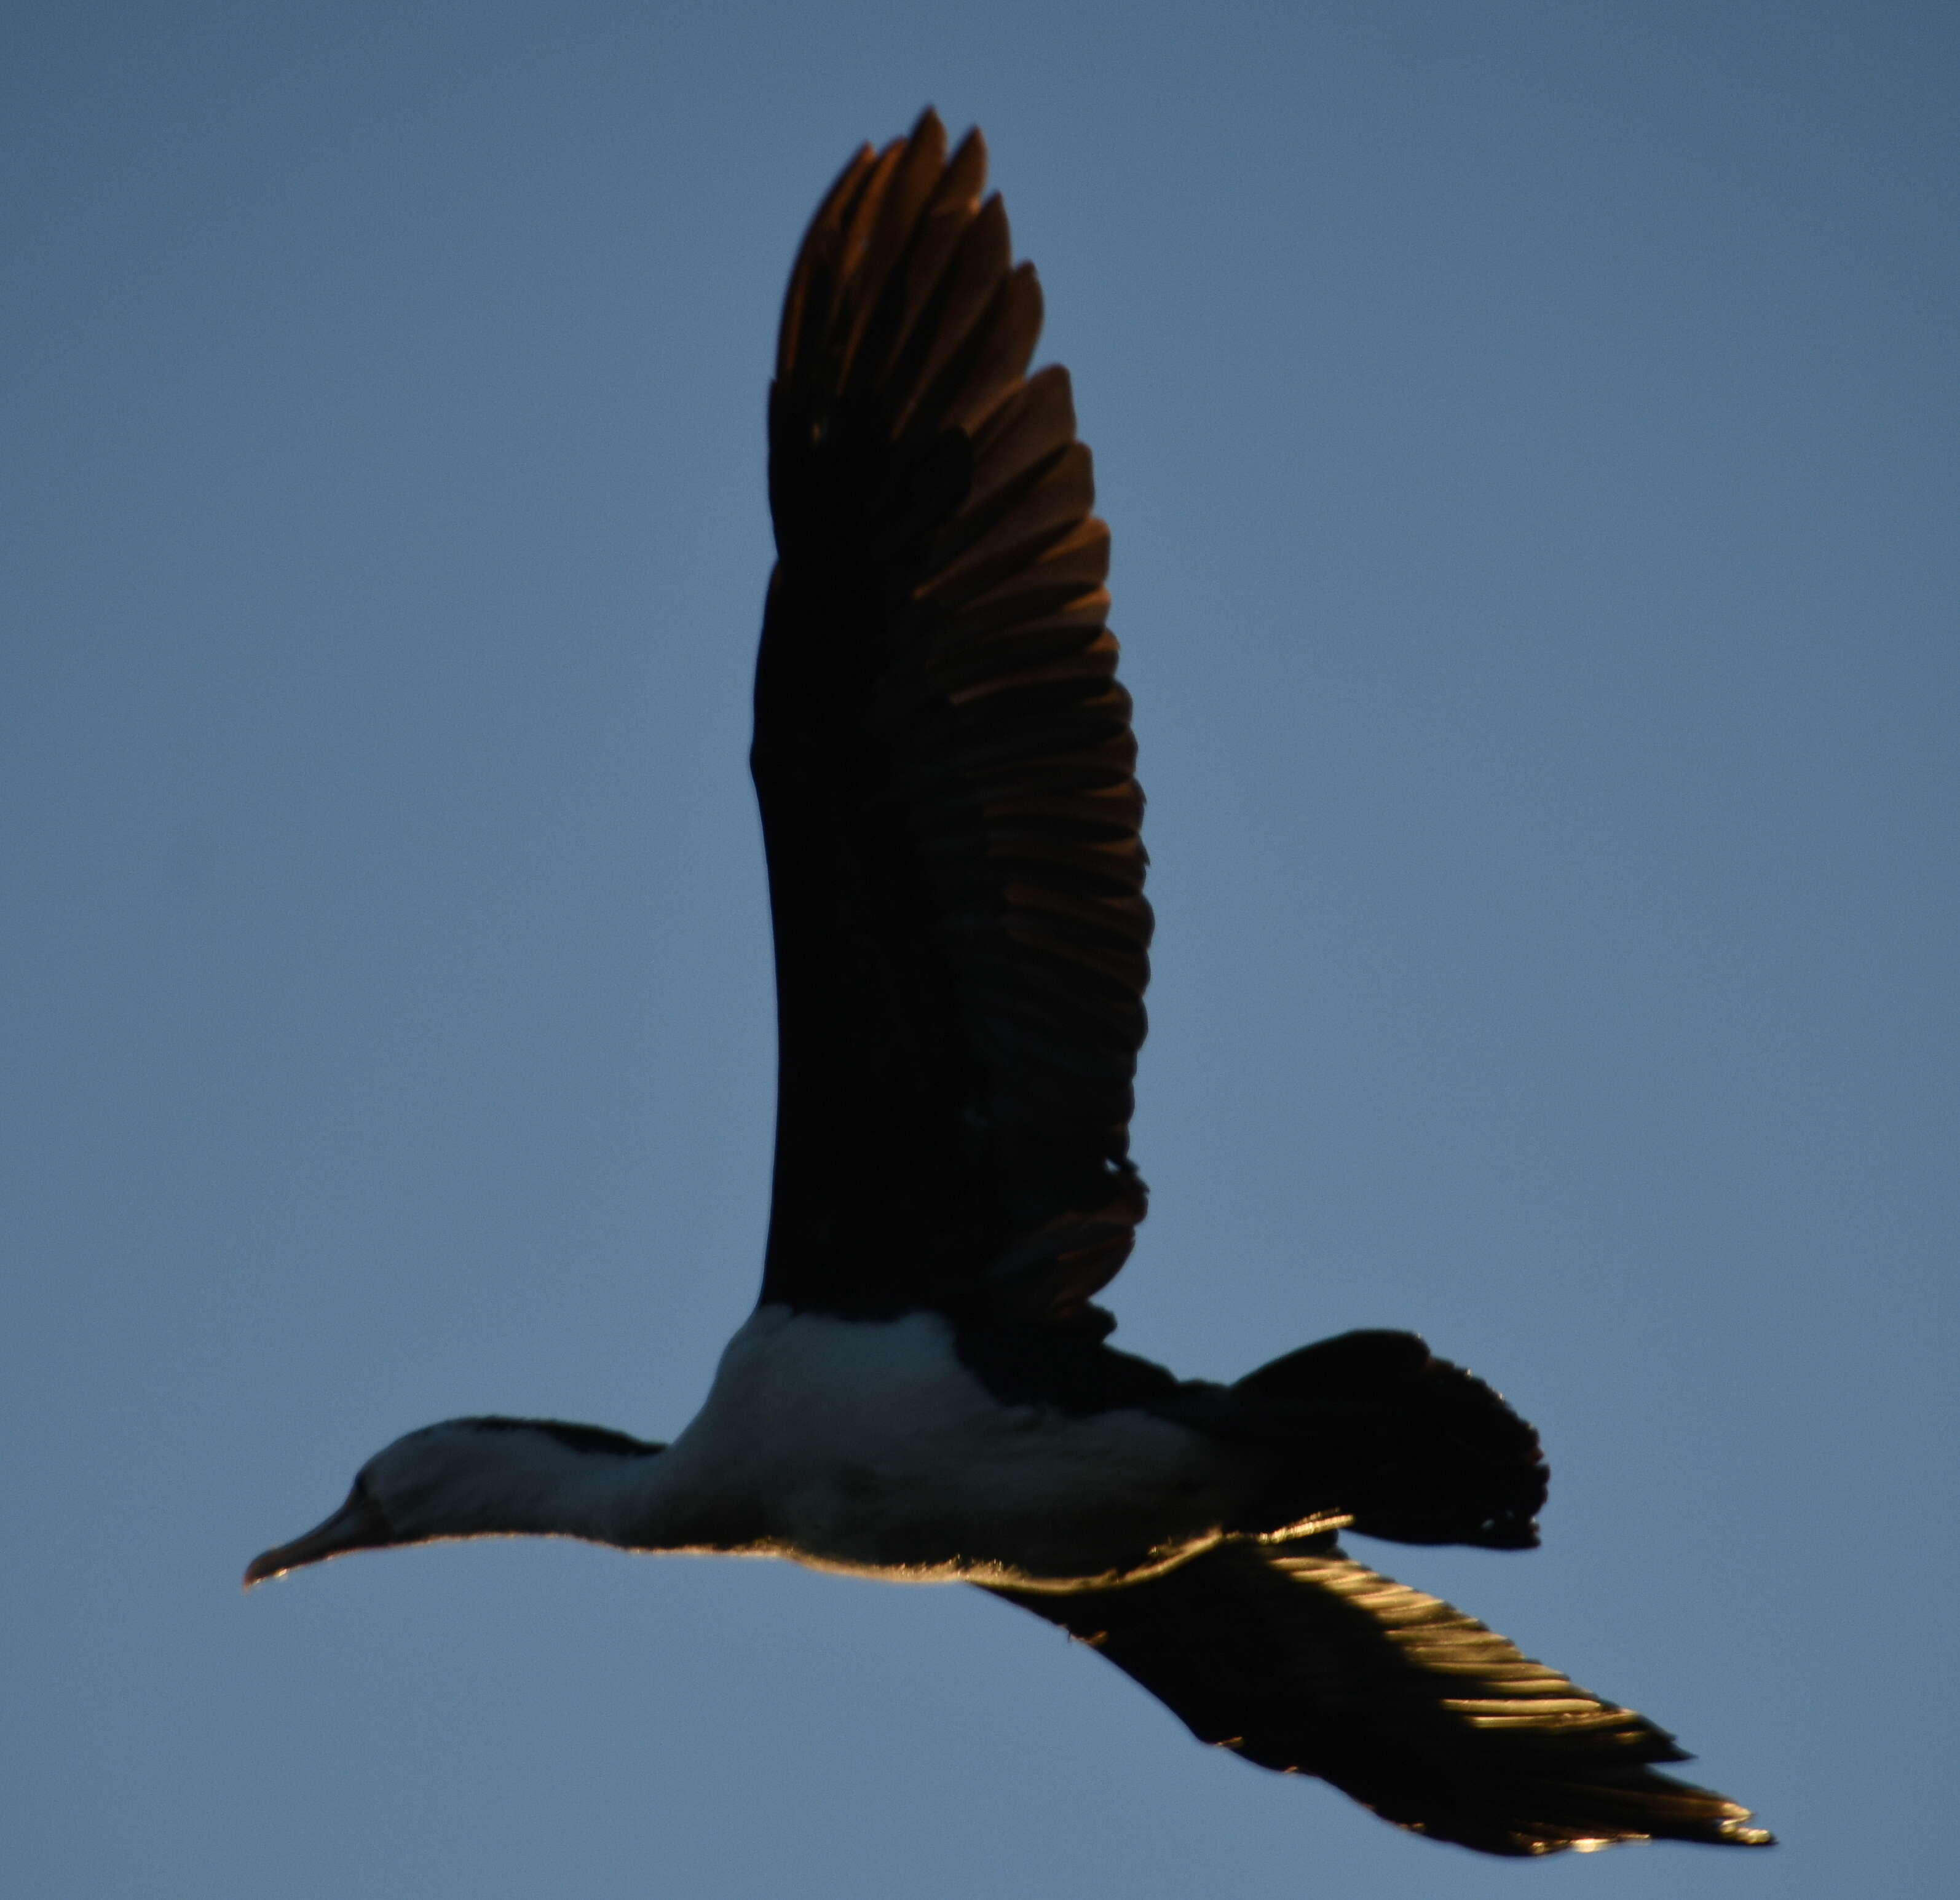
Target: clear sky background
x=1529 y=433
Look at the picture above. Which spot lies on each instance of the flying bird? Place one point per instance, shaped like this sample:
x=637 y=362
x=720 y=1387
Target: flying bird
x=925 y=1392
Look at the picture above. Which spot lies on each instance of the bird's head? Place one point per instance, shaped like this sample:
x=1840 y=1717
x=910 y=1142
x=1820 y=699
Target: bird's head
x=389 y=1503
x=464 y=1478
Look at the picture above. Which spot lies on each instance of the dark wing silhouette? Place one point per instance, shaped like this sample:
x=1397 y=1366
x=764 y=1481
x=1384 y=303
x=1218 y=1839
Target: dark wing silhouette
x=1300 y=1660
x=946 y=770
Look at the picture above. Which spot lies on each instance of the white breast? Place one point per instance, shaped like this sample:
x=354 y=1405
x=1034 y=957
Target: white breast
x=866 y=1446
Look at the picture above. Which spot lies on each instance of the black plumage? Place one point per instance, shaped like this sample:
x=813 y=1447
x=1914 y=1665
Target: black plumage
x=1300 y=1659
x=947 y=774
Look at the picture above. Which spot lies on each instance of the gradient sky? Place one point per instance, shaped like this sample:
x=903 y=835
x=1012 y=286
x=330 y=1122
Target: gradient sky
x=1529 y=436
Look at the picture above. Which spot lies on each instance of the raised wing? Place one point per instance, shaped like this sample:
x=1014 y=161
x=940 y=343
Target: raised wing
x=1300 y=1660
x=946 y=770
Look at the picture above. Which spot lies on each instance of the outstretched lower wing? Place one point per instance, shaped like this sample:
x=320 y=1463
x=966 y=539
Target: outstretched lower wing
x=1301 y=1660
x=946 y=770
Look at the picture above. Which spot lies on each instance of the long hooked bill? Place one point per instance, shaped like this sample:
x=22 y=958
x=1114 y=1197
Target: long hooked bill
x=357 y=1525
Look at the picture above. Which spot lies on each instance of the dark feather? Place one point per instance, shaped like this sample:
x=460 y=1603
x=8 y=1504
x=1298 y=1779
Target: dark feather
x=1300 y=1660
x=945 y=769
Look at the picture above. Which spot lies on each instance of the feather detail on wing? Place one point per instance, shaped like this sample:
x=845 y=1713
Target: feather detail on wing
x=1301 y=1660
x=946 y=770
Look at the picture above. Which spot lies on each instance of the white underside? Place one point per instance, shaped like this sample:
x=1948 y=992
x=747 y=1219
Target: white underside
x=867 y=1447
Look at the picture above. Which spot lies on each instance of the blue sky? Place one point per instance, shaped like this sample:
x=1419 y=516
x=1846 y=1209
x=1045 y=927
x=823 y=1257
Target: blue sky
x=1529 y=437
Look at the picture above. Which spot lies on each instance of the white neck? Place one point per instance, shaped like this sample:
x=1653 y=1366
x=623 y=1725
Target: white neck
x=481 y=1477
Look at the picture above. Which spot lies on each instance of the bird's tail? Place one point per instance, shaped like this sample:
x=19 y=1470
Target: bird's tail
x=1412 y=1448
